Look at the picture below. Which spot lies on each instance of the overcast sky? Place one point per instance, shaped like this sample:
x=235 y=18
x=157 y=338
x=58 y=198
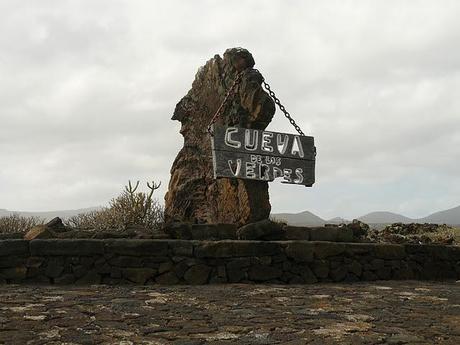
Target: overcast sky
x=87 y=90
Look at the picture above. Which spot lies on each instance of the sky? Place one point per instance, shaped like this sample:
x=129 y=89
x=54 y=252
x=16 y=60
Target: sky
x=88 y=88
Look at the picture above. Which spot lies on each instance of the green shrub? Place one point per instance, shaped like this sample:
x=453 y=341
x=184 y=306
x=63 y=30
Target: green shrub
x=16 y=223
x=130 y=208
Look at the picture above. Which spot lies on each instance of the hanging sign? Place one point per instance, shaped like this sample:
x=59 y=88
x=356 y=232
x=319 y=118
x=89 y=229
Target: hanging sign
x=262 y=155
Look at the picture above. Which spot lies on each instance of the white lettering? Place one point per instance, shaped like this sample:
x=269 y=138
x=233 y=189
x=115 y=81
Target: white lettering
x=299 y=175
x=235 y=169
x=282 y=144
x=277 y=172
x=266 y=141
x=249 y=144
x=264 y=172
x=250 y=167
x=256 y=159
x=228 y=138
x=287 y=174
x=299 y=149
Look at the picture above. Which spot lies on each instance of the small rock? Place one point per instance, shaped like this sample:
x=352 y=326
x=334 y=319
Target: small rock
x=321 y=269
x=39 y=232
x=92 y=277
x=138 y=275
x=214 y=232
x=56 y=225
x=399 y=339
x=15 y=273
x=324 y=233
x=338 y=274
x=179 y=230
x=300 y=251
x=262 y=230
x=263 y=273
x=297 y=233
x=355 y=268
x=54 y=268
x=48 y=230
x=358 y=228
x=197 y=274
x=235 y=269
x=308 y=276
x=65 y=279
x=165 y=267
x=168 y=278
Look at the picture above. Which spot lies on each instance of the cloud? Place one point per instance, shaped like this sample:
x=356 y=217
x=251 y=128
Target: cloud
x=88 y=90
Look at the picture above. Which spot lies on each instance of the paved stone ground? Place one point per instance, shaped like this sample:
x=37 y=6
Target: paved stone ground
x=389 y=312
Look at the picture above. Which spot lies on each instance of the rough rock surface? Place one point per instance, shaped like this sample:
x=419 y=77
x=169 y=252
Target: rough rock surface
x=141 y=261
x=48 y=230
x=404 y=312
x=262 y=230
x=415 y=233
x=194 y=195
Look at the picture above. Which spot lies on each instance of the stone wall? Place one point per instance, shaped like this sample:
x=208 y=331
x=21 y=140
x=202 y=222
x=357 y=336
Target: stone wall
x=200 y=262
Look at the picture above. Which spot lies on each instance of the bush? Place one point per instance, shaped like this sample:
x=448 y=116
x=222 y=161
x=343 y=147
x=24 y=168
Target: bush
x=18 y=224
x=130 y=208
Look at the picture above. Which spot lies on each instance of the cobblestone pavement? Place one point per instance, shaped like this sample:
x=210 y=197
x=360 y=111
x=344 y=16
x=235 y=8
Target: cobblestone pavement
x=386 y=312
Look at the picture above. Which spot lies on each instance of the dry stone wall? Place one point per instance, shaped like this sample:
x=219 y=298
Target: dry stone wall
x=231 y=261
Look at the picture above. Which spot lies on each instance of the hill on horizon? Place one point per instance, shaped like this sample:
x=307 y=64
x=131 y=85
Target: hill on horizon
x=48 y=215
x=382 y=217
x=299 y=218
x=306 y=218
x=450 y=216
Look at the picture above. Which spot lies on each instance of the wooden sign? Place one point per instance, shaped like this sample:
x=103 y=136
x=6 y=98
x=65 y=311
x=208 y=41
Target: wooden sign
x=262 y=155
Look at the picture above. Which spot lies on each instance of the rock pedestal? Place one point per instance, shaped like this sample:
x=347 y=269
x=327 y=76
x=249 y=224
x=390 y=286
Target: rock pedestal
x=193 y=194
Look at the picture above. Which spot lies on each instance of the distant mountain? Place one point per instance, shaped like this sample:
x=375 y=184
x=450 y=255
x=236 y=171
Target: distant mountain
x=384 y=218
x=305 y=218
x=338 y=220
x=450 y=216
x=48 y=215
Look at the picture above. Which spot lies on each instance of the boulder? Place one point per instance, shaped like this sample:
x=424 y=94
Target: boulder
x=168 y=278
x=14 y=273
x=324 y=250
x=297 y=233
x=39 y=232
x=322 y=233
x=56 y=225
x=236 y=269
x=263 y=273
x=193 y=194
x=48 y=230
x=54 y=267
x=179 y=230
x=138 y=275
x=197 y=275
x=300 y=251
x=262 y=230
x=215 y=232
x=358 y=228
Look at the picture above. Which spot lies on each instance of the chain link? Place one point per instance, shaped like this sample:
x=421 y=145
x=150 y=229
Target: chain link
x=231 y=93
x=282 y=108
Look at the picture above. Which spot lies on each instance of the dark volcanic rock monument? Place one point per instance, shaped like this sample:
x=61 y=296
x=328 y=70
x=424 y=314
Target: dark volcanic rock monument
x=194 y=195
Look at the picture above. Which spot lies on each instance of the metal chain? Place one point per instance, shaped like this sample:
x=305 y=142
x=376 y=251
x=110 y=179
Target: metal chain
x=230 y=93
x=282 y=108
